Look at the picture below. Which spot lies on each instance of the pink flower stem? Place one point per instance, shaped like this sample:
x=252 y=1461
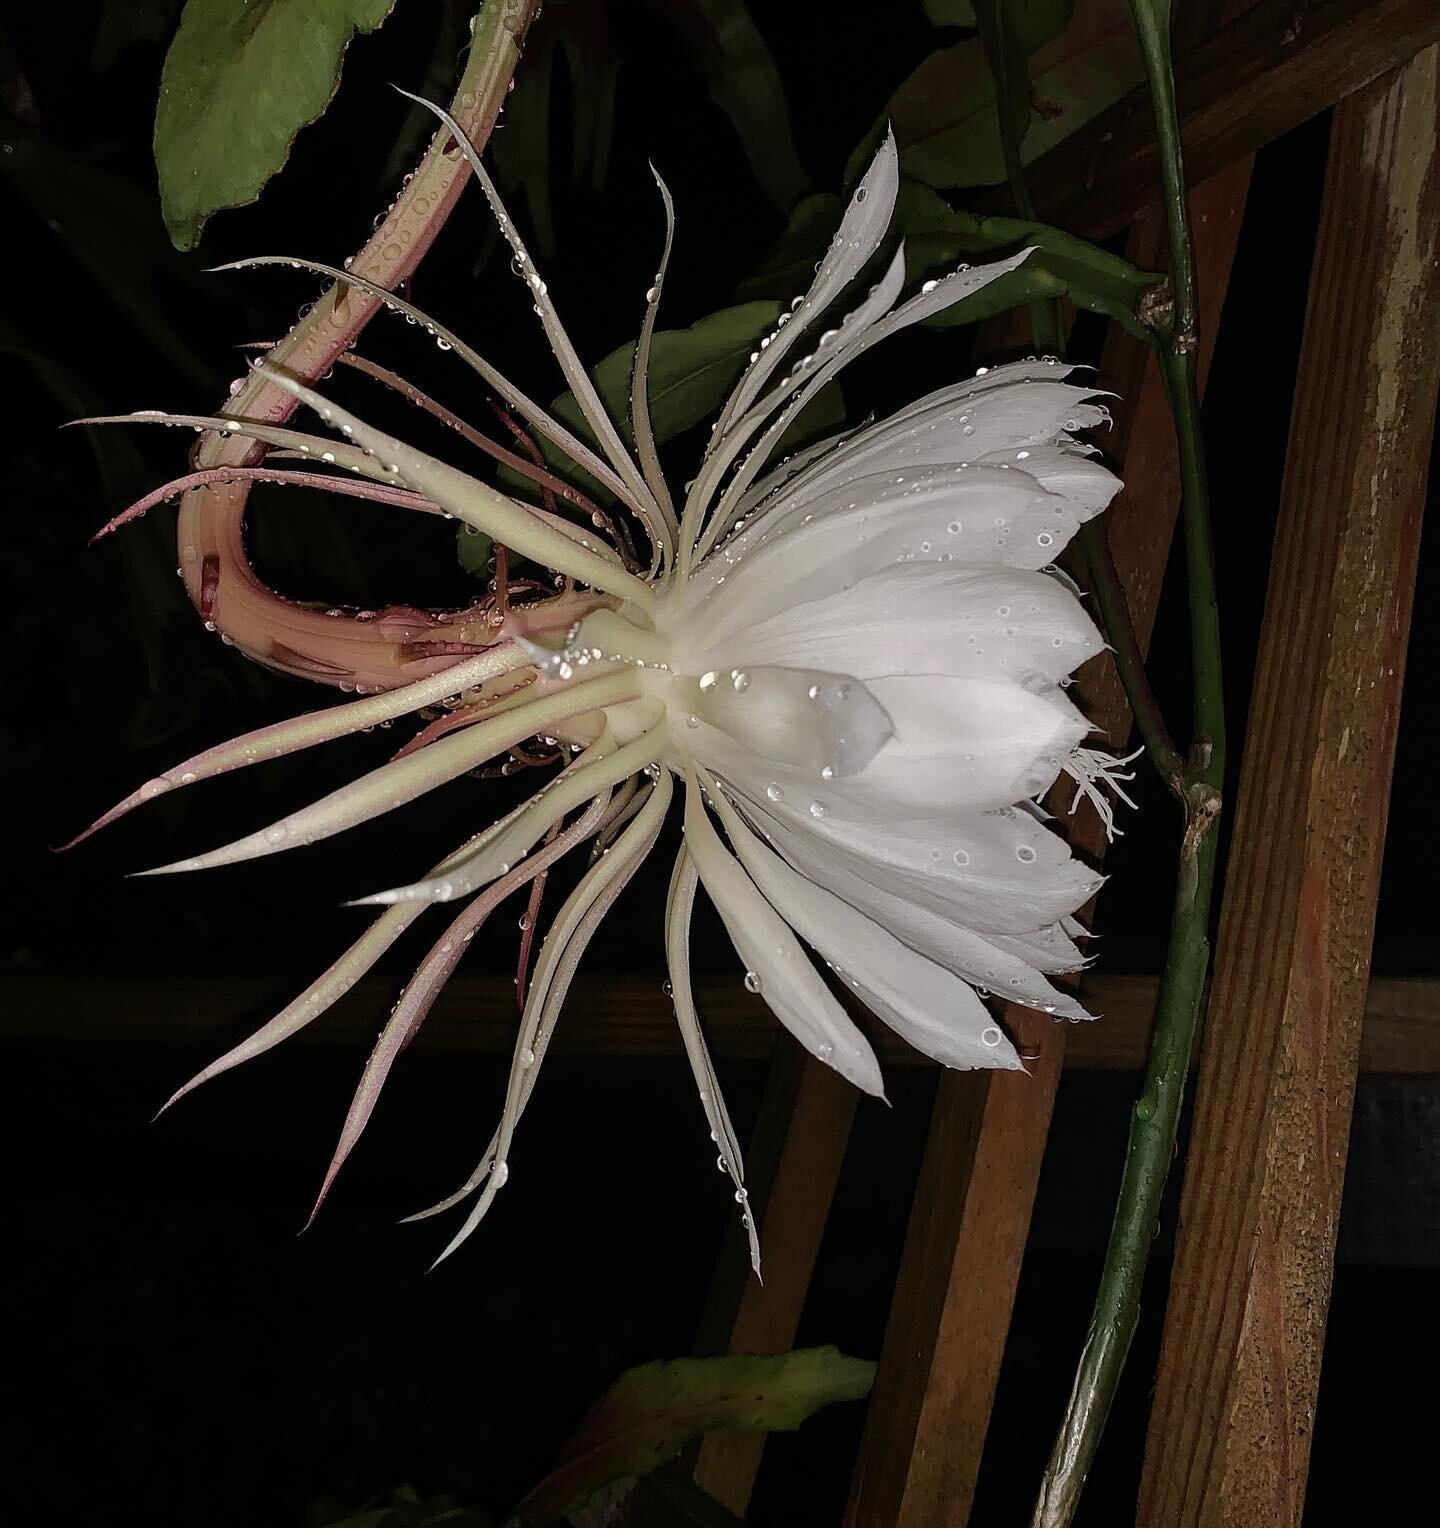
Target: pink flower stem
x=210 y=536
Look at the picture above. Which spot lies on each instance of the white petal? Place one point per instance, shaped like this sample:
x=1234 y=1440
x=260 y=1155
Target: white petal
x=677 y=951
x=946 y=942
x=1013 y=416
x=1050 y=949
x=981 y=516
x=997 y=872
x=806 y=718
x=959 y=745
x=858 y=237
x=778 y=967
x=861 y=330
x=924 y=618
x=924 y=1003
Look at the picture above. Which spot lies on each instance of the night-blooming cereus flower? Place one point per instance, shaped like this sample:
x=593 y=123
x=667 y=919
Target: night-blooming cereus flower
x=849 y=663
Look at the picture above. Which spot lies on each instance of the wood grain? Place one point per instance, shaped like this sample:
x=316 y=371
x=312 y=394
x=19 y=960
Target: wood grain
x=1230 y=1428
x=929 y=1412
x=609 y=1016
x=792 y=1166
x=1275 y=66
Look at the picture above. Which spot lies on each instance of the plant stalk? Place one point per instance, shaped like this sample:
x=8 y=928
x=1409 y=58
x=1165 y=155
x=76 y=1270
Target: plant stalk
x=1156 y=1116
x=1103 y=579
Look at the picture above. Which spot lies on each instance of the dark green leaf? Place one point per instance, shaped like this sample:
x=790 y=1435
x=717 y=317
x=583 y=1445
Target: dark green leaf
x=691 y=370
x=789 y=268
x=125 y=22
x=107 y=225
x=944 y=115
x=652 y=1412
x=404 y=1508
x=239 y=82
x=474 y=549
x=949 y=13
x=1033 y=22
x=576 y=39
x=744 y=83
x=936 y=236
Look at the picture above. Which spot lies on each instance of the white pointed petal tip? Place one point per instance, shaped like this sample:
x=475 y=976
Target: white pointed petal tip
x=176 y=867
x=175 y=1098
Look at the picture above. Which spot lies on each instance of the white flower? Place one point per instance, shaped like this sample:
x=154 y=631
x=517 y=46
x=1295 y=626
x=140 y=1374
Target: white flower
x=851 y=661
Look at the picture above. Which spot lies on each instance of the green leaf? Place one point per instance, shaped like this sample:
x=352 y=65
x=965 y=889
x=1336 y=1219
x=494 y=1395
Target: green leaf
x=949 y=13
x=937 y=235
x=691 y=370
x=474 y=548
x=1032 y=23
x=405 y=1508
x=107 y=225
x=125 y=22
x=744 y=83
x=789 y=267
x=944 y=115
x=576 y=38
x=239 y=83
x=649 y=1414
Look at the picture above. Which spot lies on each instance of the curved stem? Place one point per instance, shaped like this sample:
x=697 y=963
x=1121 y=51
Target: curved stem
x=210 y=537
x=1156 y=1115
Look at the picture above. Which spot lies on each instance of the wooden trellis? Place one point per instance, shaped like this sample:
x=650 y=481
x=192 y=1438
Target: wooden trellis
x=1292 y=1015
x=1232 y=1416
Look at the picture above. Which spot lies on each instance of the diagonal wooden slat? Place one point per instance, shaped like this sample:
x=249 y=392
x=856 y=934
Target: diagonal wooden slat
x=930 y=1409
x=1272 y=67
x=1235 y=1398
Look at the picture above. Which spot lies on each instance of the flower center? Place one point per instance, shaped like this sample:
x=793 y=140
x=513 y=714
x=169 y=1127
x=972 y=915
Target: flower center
x=825 y=724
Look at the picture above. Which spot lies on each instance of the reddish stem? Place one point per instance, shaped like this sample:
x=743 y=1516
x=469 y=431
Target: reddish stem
x=211 y=517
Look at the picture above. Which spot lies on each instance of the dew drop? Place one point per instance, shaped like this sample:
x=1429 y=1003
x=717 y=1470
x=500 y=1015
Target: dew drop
x=775 y=792
x=752 y=982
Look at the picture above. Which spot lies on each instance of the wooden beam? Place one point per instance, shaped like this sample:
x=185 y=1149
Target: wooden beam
x=930 y=1409
x=1274 y=67
x=1234 y=1405
x=611 y=1016
x=792 y=1166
